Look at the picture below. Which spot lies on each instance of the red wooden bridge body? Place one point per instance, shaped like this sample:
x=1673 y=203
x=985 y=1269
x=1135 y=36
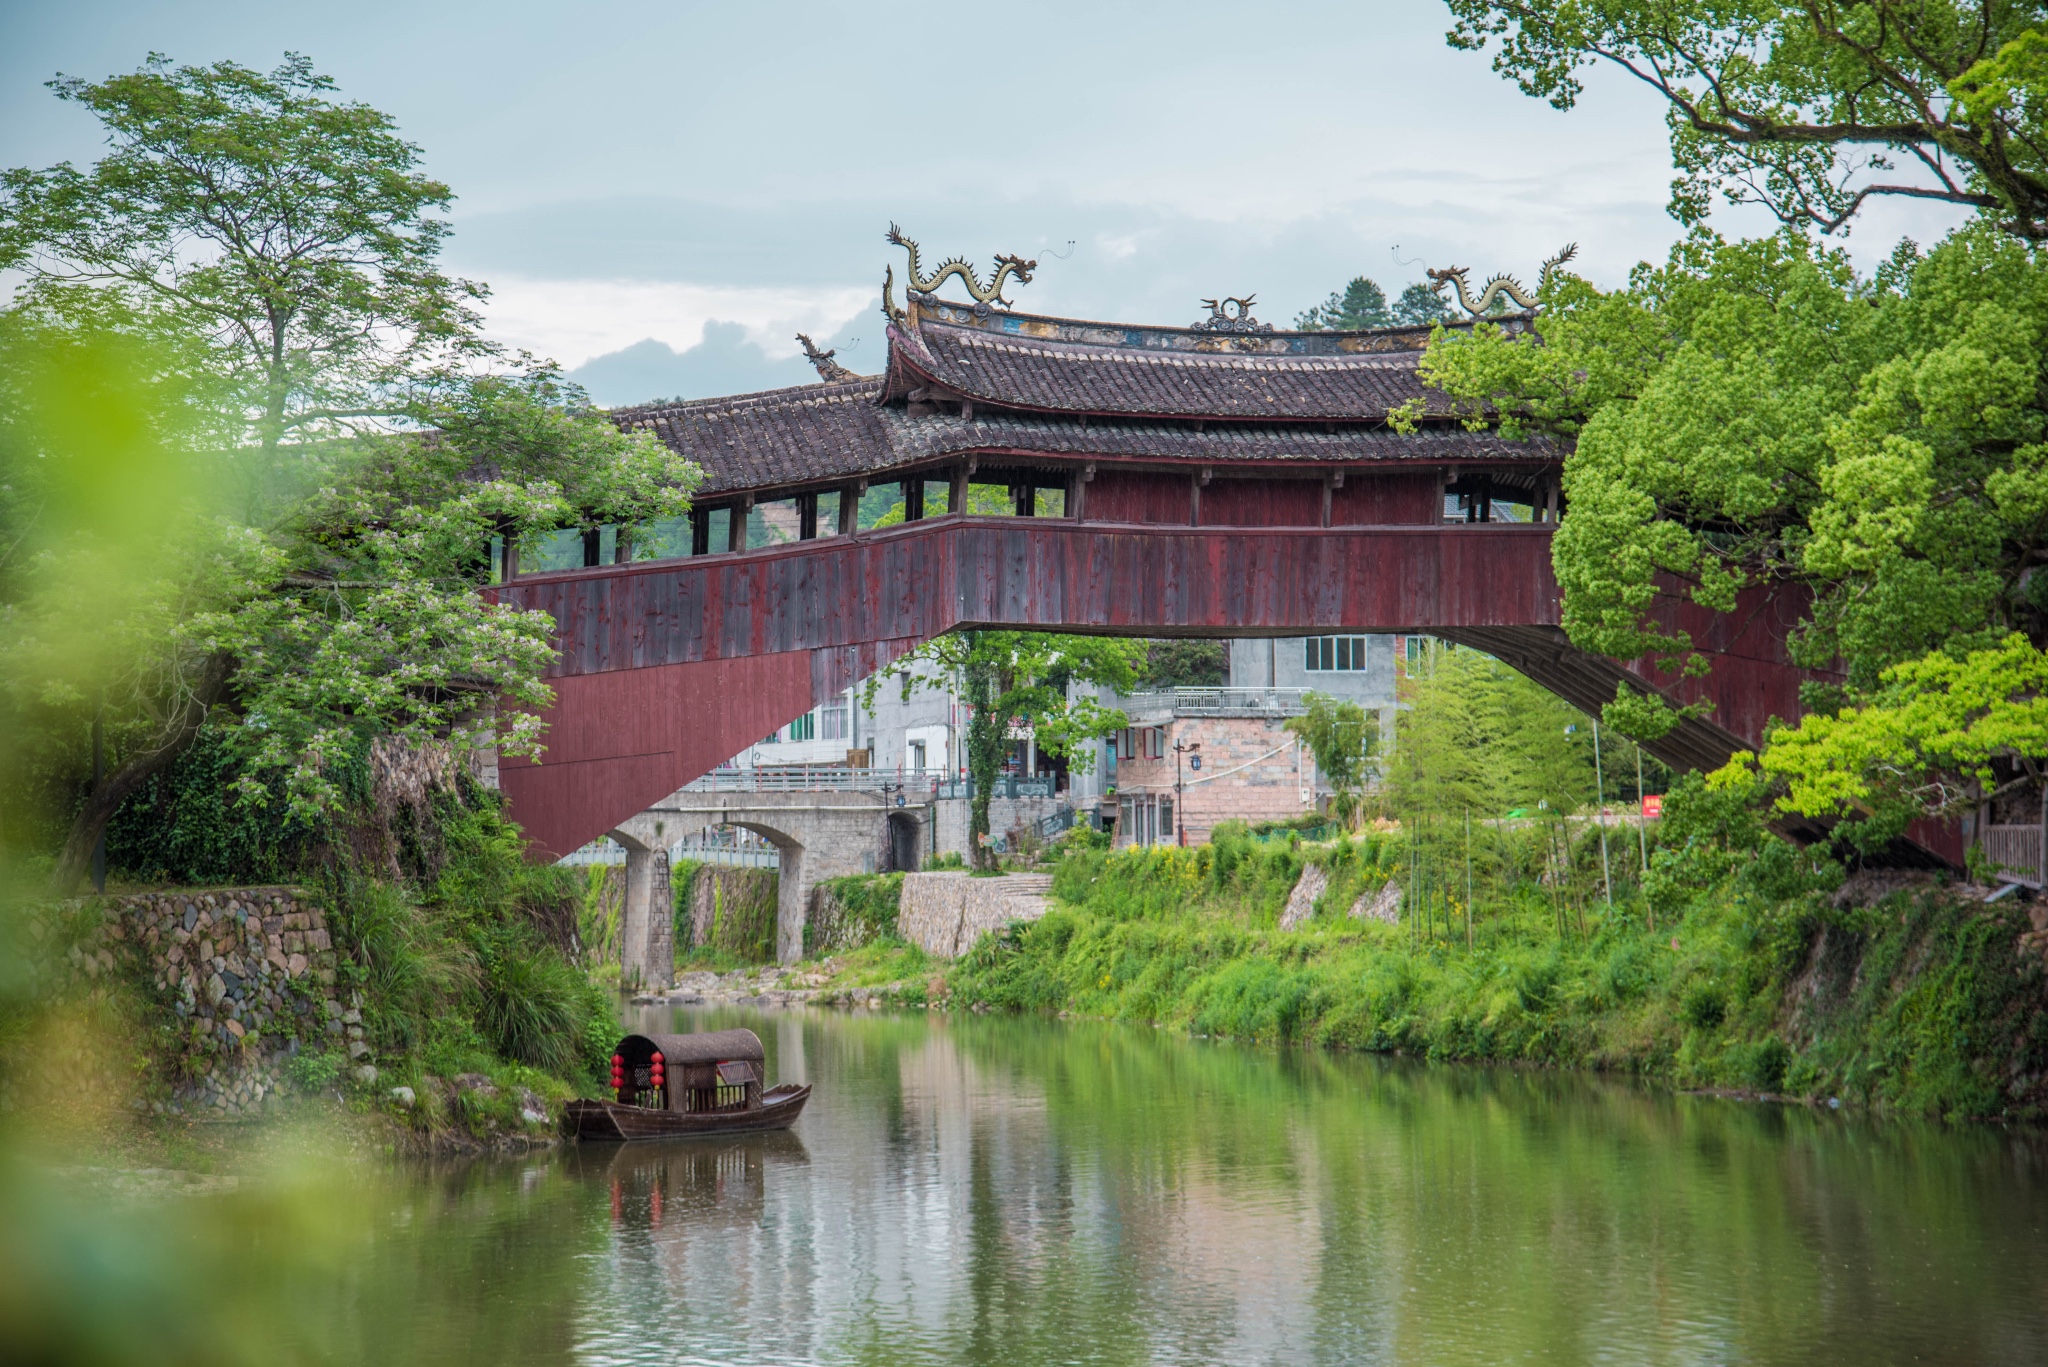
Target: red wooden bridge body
x=1221 y=483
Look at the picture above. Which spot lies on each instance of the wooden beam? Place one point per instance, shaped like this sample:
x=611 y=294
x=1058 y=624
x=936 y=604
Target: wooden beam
x=736 y=526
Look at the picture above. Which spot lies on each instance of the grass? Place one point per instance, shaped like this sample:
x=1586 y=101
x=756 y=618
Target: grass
x=1751 y=979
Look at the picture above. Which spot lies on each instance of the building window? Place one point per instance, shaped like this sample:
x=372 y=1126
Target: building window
x=804 y=727
x=917 y=756
x=1141 y=742
x=835 y=721
x=1331 y=654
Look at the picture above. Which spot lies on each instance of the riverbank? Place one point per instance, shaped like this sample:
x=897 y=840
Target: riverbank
x=1744 y=974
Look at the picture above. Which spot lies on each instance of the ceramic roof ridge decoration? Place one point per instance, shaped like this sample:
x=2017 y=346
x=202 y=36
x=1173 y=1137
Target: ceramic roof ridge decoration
x=1499 y=285
x=923 y=289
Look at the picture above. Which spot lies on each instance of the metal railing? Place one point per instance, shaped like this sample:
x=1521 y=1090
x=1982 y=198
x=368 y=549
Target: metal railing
x=2018 y=852
x=917 y=785
x=1214 y=702
x=819 y=778
x=1050 y=826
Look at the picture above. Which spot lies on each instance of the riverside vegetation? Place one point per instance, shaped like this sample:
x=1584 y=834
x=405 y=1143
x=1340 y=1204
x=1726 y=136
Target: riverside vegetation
x=1737 y=962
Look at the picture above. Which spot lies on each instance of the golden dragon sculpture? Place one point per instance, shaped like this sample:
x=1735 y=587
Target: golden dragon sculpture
x=917 y=283
x=1499 y=285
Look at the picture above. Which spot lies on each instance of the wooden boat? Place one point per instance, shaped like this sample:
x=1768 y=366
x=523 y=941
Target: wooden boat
x=676 y=1086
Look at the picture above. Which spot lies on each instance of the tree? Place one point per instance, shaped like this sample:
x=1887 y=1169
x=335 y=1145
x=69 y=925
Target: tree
x=1363 y=304
x=1179 y=663
x=1756 y=413
x=294 y=232
x=255 y=263
x=1809 y=109
x=1343 y=740
x=1020 y=678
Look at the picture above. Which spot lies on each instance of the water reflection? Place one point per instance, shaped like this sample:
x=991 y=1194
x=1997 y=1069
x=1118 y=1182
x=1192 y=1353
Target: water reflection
x=971 y=1191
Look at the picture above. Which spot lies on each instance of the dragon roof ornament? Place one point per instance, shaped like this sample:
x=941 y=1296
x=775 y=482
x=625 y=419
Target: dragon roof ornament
x=1231 y=315
x=1455 y=277
x=829 y=370
x=922 y=288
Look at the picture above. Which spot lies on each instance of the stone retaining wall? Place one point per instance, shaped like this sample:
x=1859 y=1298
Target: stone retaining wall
x=945 y=913
x=250 y=974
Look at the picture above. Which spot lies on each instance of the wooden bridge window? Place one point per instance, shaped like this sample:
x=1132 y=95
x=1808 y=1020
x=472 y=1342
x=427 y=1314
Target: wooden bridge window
x=774 y=523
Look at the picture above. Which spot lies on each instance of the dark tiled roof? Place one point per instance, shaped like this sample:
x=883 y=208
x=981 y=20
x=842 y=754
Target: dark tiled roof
x=1059 y=376
x=820 y=432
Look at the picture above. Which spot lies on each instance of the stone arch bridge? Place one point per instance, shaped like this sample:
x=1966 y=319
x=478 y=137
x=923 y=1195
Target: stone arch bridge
x=818 y=835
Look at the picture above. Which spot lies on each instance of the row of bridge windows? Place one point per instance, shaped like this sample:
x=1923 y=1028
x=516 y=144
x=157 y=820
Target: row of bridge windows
x=778 y=521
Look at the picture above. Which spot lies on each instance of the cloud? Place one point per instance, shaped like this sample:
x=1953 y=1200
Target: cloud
x=574 y=321
x=727 y=361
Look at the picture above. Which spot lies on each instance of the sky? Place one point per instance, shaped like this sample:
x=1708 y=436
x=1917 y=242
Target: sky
x=661 y=195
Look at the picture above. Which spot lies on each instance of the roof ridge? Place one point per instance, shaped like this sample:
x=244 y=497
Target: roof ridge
x=814 y=392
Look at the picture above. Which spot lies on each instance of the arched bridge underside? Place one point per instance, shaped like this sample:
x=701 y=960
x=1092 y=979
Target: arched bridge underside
x=668 y=668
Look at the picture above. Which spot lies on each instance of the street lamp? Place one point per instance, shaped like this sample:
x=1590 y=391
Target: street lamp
x=1180 y=792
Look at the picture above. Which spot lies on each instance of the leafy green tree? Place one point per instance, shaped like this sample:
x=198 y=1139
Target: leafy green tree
x=254 y=264
x=1363 y=304
x=1420 y=305
x=1020 y=678
x=1809 y=109
x=292 y=231
x=1756 y=413
x=1186 y=664
x=1343 y=737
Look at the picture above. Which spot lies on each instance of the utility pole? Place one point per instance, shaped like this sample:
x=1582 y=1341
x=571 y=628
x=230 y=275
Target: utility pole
x=1180 y=793
x=1600 y=791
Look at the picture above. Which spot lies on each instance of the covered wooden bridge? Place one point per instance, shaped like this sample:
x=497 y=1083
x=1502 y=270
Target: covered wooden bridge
x=1222 y=479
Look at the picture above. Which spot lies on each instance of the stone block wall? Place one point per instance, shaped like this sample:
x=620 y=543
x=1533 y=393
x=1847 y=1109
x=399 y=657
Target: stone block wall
x=1252 y=770
x=945 y=913
x=251 y=977
x=1005 y=814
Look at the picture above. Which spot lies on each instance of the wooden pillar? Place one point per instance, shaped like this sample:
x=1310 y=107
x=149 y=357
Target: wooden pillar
x=700 y=531
x=1077 y=492
x=849 y=507
x=963 y=475
x=593 y=547
x=1333 y=481
x=807 y=517
x=1024 y=499
x=913 y=499
x=736 y=528
x=622 y=547
x=508 y=567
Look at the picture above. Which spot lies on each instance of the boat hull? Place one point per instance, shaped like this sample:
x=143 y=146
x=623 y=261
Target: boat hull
x=606 y=1120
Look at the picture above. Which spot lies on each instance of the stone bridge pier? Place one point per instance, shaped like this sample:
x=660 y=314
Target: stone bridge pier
x=817 y=835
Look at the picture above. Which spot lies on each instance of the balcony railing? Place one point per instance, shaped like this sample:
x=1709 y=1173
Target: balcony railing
x=917 y=784
x=1214 y=702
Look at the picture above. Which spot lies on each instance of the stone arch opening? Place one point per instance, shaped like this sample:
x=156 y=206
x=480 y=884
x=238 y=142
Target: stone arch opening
x=906 y=842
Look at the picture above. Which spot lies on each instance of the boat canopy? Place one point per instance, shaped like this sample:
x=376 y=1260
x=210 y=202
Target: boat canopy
x=710 y=1046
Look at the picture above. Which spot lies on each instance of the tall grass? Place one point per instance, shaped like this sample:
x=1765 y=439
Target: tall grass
x=480 y=968
x=1729 y=966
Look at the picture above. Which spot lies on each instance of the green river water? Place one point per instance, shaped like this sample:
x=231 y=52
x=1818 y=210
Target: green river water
x=996 y=1190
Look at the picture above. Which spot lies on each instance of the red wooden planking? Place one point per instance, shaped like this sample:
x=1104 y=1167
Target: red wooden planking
x=669 y=668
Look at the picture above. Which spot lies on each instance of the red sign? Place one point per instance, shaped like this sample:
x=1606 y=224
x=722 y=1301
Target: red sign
x=1653 y=804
